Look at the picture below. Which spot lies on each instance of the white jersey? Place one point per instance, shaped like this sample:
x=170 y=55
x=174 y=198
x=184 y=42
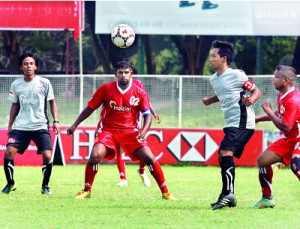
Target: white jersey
x=33 y=97
x=229 y=88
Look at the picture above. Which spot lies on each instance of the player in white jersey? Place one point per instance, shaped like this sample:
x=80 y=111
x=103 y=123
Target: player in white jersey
x=236 y=93
x=28 y=120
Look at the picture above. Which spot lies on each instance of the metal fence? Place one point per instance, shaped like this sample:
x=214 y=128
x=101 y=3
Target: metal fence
x=177 y=98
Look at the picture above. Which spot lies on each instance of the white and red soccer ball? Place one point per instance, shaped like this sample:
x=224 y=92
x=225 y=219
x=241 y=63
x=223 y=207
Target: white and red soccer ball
x=122 y=36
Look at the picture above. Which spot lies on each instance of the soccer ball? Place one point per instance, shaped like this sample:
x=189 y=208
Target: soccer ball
x=122 y=36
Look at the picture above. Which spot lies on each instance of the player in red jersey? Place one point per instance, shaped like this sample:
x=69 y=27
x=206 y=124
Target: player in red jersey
x=287 y=120
x=122 y=102
x=120 y=160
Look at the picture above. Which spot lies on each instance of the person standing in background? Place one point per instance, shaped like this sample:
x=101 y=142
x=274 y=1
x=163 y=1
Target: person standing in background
x=28 y=120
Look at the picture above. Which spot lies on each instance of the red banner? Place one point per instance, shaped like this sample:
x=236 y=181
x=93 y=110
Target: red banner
x=170 y=146
x=41 y=15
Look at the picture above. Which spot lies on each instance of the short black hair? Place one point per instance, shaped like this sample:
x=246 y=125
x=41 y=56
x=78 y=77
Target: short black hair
x=28 y=54
x=287 y=71
x=123 y=64
x=225 y=49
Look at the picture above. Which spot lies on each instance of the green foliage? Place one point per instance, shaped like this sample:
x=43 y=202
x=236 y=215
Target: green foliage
x=136 y=206
x=51 y=47
x=277 y=50
x=167 y=57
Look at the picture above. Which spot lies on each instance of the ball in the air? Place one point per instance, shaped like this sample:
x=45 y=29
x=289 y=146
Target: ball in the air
x=122 y=36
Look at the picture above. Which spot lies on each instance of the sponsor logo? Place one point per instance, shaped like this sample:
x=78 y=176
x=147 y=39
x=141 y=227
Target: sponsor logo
x=25 y=100
x=193 y=146
x=11 y=140
x=114 y=106
x=282 y=109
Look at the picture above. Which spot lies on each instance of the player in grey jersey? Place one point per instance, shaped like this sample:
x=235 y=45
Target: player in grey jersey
x=230 y=87
x=28 y=120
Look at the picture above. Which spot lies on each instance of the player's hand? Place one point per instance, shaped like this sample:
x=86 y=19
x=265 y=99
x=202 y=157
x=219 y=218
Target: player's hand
x=257 y=119
x=157 y=117
x=56 y=128
x=96 y=132
x=9 y=130
x=71 y=130
x=247 y=100
x=205 y=101
x=141 y=136
x=267 y=107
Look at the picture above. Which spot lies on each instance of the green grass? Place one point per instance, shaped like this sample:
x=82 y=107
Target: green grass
x=136 y=206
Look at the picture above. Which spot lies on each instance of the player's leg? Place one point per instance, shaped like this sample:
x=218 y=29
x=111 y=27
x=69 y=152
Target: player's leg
x=121 y=168
x=226 y=197
x=99 y=151
x=141 y=172
x=9 y=168
x=145 y=155
x=226 y=151
x=17 y=142
x=43 y=141
x=265 y=161
x=46 y=171
x=233 y=144
x=295 y=165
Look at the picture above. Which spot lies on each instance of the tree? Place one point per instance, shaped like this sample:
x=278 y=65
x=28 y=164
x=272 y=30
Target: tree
x=11 y=46
x=296 y=60
x=194 y=50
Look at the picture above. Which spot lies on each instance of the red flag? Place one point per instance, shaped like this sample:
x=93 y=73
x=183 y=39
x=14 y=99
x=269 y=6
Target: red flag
x=78 y=6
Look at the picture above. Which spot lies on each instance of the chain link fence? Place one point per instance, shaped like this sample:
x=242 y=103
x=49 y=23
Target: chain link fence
x=177 y=99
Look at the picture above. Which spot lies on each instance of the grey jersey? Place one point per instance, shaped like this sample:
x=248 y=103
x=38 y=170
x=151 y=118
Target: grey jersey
x=228 y=88
x=33 y=97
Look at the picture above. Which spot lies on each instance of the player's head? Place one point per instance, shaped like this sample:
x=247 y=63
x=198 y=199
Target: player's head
x=284 y=77
x=28 y=54
x=123 y=64
x=224 y=49
x=123 y=72
x=287 y=71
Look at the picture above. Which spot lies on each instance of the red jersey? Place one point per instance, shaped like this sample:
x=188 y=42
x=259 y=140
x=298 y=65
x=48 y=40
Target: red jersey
x=289 y=111
x=120 y=108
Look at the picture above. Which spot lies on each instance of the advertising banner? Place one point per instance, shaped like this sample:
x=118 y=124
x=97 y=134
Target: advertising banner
x=247 y=17
x=41 y=15
x=169 y=146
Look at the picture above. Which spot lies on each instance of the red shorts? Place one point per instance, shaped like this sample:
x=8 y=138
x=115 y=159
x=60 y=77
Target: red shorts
x=127 y=140
x=285 y=148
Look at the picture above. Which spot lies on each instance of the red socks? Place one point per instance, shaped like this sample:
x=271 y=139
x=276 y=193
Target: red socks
x=121 y=166
x=142 y=167
x=158 y=175
x=90 y=173
x=265 y=178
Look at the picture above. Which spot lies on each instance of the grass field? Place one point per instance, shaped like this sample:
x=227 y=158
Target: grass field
x=136 y=206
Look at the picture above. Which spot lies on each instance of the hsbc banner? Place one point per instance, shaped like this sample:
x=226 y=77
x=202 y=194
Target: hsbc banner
x=169 y=146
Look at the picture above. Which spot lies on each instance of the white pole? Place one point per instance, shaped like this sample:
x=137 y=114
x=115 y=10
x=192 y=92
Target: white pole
x=180 y=103
x=80 y=63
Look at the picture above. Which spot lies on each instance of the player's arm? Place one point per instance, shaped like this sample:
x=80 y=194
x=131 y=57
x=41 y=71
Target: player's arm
x=248 y=100
x=53 y=109
x=83 y=115
x=207 y=101
x=14 y=110
x=267 y=107
x=264 y=117
x=153 y=112
x=146 y=124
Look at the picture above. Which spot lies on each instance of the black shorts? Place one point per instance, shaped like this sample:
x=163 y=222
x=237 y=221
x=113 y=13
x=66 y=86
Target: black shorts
x=235 y=139
x=20 y=139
